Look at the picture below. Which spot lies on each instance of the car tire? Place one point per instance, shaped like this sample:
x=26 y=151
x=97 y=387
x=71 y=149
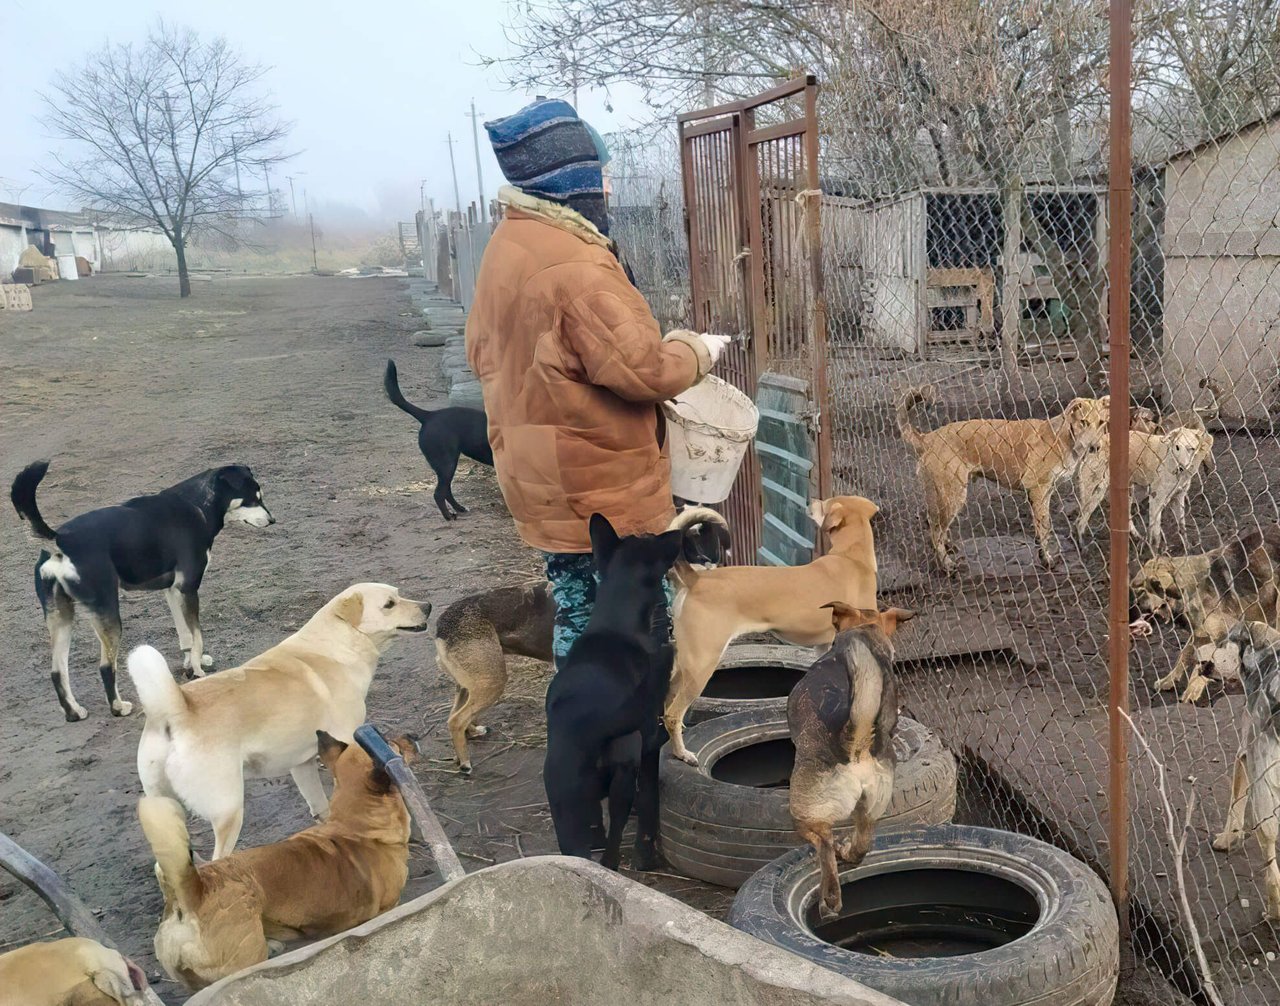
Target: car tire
x=1068 y=956
x=723 y=833
x=792 y=661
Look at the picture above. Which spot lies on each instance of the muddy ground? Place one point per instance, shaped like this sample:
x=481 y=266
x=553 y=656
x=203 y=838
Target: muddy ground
x=129 y=390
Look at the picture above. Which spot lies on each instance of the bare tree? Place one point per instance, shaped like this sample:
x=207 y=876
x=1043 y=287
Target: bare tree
x=158 y=131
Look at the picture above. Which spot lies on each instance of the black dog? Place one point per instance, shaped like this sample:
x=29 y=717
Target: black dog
x=604 y=705
x=158 y=542
x=445 y=434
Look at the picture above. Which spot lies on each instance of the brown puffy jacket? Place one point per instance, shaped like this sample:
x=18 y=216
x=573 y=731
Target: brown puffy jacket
x=572 y=365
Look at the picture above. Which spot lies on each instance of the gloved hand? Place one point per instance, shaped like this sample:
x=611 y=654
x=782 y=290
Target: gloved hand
x=715 y=344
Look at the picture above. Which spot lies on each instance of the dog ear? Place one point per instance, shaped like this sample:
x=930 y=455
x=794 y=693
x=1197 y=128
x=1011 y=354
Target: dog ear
x=351 y=609
x=329 y=748
x=407 y=746
x=834 y=516
x=844 y=616
x=604 y=539
x=893 y=617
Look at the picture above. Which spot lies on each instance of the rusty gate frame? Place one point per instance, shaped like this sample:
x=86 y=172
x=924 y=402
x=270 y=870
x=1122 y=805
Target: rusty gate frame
x=732 y=280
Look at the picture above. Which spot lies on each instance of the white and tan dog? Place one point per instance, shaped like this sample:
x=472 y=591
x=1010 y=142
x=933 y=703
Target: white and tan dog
x=203 y=739
x=1163 y=463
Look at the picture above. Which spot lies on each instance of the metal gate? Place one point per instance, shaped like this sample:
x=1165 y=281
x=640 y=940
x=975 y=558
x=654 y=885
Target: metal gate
x=752 y=204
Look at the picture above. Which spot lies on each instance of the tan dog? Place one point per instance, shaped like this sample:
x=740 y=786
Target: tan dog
x=1165 y=464
x=841 y=716
x=1239 y=582
x=1033 y=455
x=219 y=917
x=715 y=606
x=259 y=720
x=70 y=972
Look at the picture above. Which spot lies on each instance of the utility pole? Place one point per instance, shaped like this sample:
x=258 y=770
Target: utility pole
x=457 y=196
x=312 y=222
x=475 y=138
x=293 y=197
x=266 y=174
x=235 y=156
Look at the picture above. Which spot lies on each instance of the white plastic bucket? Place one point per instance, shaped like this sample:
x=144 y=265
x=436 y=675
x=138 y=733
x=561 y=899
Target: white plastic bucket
x=67 y=267
x=708 y=430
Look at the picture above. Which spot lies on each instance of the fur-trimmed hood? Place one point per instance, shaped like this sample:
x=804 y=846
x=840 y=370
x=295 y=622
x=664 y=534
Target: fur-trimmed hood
x=556 y=214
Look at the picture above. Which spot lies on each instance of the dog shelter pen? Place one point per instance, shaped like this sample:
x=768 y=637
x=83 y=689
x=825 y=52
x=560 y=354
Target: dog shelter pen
x=844 y=276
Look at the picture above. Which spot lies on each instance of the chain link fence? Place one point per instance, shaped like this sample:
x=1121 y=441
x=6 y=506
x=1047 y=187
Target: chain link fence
x=965 y=248
x=965 y=240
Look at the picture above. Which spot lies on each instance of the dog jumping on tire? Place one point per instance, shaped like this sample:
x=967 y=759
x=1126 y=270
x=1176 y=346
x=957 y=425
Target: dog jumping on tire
x=842 y=716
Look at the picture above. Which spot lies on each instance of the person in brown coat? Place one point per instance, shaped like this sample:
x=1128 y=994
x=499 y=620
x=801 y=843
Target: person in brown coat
x=570 y=359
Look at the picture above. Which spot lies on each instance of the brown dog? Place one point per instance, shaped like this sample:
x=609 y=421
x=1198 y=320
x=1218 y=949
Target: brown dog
x=714 y=606
x=219 y=916
x=1033 y=455
x=1238 y=582
x=842 y=716
x=474 y=636
x=70 y=972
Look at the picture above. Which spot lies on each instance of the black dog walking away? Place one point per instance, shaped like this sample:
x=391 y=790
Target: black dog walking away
x=445 y=434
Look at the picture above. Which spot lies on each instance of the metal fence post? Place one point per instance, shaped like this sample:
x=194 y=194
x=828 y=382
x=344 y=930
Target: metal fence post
x=1120 y=198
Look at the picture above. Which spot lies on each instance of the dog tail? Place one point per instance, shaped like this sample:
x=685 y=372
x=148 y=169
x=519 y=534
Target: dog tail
x=866 y=688
x=909 y=400
x=23 y=494
x=690 y=517
x=165 y=825
x=160 y=695
x=391 y=385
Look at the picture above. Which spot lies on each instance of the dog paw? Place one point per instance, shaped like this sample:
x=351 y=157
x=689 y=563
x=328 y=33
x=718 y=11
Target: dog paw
x=1226 y=841
x=644 y=859
x=476 y=730
x=77 y=713
x=686 y=757
x=829 y=911
x=121 y=708
x=464 y=767
x=274 y=947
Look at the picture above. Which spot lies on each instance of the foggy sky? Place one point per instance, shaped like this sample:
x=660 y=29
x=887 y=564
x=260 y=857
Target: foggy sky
x=371 y=87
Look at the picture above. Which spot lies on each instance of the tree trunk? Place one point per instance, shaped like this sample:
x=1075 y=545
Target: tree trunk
x=184 y=277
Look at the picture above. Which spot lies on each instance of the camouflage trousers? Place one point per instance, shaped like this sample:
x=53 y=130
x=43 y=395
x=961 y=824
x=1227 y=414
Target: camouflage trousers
x=573 y=586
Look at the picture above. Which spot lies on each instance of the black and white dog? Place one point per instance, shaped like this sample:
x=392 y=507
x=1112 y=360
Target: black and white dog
x=1255 y=781
x=158 y=542
x=604 y=706
x=443 y=435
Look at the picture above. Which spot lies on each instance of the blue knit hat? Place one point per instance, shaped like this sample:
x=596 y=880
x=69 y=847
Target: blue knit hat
x=546 y=150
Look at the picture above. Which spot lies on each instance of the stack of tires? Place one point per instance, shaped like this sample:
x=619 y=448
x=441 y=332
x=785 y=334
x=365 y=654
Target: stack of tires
x=937 y=914
x=729 y=817
x=464 y=386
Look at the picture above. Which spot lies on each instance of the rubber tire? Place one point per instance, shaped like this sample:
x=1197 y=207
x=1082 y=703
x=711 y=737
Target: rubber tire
x=723 y=833
x=739 y=655
x=1071 y=957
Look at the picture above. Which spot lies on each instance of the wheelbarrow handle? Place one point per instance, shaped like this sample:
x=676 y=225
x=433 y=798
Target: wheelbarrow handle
x=385 y=756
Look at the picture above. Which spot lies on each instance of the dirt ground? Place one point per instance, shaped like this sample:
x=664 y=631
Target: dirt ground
x=129 y=390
